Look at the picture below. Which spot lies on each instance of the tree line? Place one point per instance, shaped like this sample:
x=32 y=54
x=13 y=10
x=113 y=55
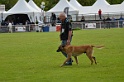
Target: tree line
x=51 y=3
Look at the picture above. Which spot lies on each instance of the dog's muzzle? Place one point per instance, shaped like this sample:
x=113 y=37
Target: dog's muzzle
x=59 y=50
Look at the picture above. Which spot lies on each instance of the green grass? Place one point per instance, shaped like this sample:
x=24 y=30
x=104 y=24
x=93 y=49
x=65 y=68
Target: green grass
x=32 y=57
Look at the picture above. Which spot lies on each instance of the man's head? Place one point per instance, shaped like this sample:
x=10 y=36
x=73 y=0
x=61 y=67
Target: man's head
x=62 y=16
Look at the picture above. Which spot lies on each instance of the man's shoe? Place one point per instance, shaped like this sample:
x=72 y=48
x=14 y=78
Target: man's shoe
x=68 y=64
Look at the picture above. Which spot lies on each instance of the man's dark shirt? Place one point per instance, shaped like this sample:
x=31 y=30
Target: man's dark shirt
x=65 y=28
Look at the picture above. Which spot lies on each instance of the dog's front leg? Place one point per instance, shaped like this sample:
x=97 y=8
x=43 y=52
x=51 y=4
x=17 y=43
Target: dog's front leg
x=76 y=59
x=68 y=58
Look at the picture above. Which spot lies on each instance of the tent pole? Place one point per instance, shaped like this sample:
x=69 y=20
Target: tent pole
x=95 y=16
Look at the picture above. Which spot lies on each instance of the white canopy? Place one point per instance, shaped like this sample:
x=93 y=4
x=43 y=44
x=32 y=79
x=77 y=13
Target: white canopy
x=104 y=6
x=116 y=8
x=59 y=7
x=32 y=4
x=76 y=4
x=22 y=7
x=121 y=7
x=99 y=4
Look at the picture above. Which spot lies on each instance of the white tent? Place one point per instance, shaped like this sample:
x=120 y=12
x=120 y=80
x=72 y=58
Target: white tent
x=32 y=4
x=22 y=7
x=100 y=4
x=77 y=5
x=85 y=10
x=59 y=7
x=121 y=7
x=104 y=6
x=116 y=9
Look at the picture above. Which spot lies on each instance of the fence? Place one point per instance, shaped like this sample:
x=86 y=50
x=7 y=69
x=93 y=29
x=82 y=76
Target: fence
x=75 y=25
x=21 y=28
x=98 y=24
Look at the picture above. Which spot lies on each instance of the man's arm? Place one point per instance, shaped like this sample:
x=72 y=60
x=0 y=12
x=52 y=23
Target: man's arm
x=69 y=37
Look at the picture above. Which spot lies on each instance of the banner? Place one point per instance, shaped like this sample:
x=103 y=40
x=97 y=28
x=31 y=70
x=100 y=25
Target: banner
x=90 y=25
x=20 y=29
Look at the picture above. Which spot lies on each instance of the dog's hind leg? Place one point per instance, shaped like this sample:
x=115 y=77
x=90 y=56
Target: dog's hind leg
x=91 y=59
x=94 y=59
x=76 y=59
x=89 y=54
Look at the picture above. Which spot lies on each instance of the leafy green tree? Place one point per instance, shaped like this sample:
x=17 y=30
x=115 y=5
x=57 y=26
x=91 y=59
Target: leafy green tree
x=115 y=1
x=8 y=3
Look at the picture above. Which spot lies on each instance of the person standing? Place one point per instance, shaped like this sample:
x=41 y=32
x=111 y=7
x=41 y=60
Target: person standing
x=82 y=19
x=100 y=13
x=108 y=20
x=113 y=21
x=10 y=27
x=65 y=33
x=53 y=19
x=121 y=21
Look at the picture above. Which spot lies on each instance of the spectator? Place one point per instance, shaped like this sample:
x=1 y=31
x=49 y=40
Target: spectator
x=113 y=20
x=82 y=19
x=121 y=21
x=53 y=19
x=10 y=27
x=100 y=13
x=104 y=22
x=108 y=22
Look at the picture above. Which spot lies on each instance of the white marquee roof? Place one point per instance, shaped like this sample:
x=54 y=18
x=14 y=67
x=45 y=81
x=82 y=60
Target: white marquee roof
x=100 y=4
x=59 y=7
x=76 y=4
x=104 y=6
x=21 y=7
x=32 y=4
x=121 y=7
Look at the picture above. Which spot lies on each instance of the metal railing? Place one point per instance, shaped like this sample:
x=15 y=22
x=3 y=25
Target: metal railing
x=99 y=24
x=75 y=25
x=21 y=28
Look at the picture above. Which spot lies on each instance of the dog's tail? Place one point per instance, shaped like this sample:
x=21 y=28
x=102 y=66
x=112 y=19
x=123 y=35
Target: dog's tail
x=99 y=47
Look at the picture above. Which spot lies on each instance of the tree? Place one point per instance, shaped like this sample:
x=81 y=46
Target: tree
x=51 y=3
x=115 y=1
x=8 y=3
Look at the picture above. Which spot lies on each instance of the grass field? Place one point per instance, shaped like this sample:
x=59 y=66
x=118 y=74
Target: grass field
x=32 y=57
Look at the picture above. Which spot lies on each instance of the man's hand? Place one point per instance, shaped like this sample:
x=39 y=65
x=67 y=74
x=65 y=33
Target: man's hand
x=68 y=42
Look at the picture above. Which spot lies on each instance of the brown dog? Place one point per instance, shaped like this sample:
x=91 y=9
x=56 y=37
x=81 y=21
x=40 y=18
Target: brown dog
x=78 y=50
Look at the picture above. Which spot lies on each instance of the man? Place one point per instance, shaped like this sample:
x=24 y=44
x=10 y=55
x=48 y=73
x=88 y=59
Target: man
x=121 y=21
x=108 y=22
x=53 y=19
x=100 y=13
x=65 y=33
x=10 y=27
